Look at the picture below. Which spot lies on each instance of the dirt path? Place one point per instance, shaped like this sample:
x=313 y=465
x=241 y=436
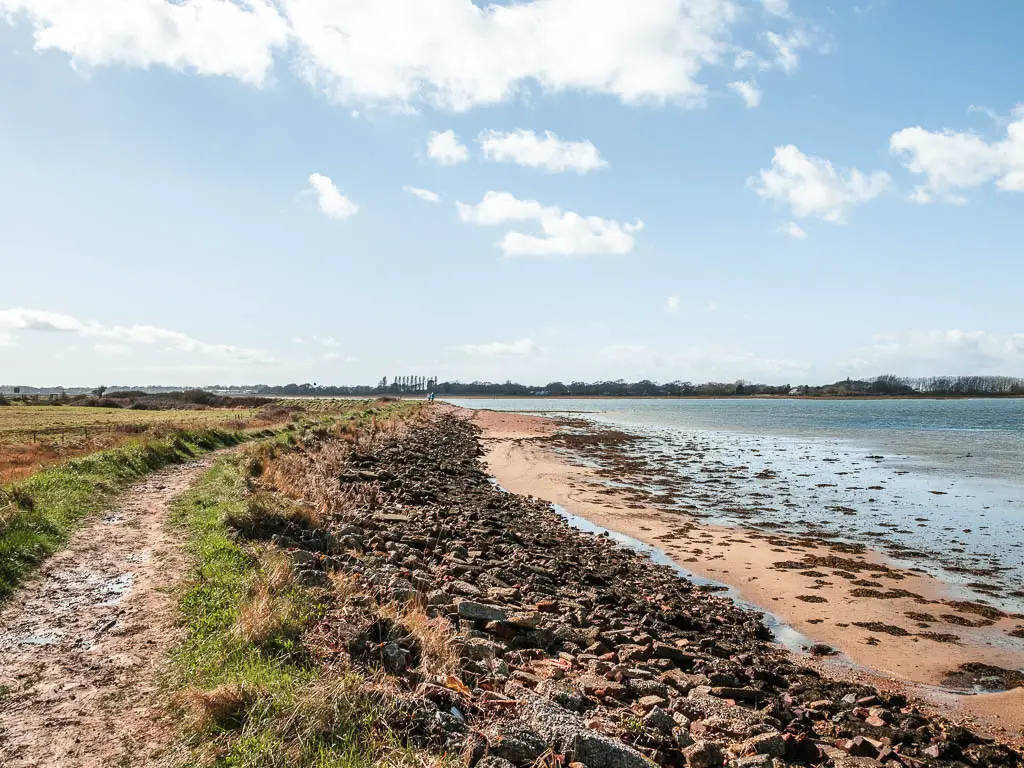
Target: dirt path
x=80 y=644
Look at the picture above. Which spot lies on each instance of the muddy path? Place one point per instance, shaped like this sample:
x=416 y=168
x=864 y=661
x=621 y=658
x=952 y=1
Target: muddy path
x=81 y=644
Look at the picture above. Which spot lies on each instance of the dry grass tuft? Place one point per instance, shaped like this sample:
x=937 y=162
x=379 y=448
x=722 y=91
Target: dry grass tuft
x=222 y=706
x=277 y=570
x=438 y=654
x=260 y=618
x=330 y=705
x=268 y=612
x=346 y=587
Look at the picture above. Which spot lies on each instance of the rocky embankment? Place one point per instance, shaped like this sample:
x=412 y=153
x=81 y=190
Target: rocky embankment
x=576 y=652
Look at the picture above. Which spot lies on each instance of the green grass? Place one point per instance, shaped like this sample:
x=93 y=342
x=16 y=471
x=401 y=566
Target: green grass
x=38 y=514
x=296 y=713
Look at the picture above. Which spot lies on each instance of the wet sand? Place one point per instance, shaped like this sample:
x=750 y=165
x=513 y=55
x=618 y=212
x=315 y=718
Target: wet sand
x=892 y=626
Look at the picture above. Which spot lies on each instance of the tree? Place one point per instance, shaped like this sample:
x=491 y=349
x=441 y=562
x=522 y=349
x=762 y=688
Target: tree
x=99 y=390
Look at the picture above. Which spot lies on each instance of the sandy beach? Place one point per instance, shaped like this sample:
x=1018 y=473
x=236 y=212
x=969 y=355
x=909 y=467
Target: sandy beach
x=890 y=626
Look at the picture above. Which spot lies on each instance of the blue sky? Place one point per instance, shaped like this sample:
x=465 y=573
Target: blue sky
x=218 y=192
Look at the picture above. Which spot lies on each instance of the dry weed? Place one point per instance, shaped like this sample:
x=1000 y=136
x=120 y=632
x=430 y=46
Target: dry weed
x=266 y=614
x=220 y=706
x=277 y=570
x=260 y=618
x=439 y=656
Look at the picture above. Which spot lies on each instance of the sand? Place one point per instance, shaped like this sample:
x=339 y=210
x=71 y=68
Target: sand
x=816 y=601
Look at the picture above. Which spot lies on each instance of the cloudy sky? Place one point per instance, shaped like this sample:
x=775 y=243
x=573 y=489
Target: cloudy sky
x=238 y=191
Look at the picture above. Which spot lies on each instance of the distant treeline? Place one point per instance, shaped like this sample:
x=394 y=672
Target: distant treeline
x=138 y=400
x=887 y=385
x=252 y=396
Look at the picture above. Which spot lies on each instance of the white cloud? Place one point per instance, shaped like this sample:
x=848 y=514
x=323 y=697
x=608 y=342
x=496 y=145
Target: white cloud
x=672 y=305
x=811 y=186
x=327 y=341
x=748 y=91
x=455 y=54
x=939 y=352
x=498 y=208
x=520 y=348
x=112 y=339
x=22 y=319
x=208 y=37
x=177 y=342
x=333 y=204
x=778 y=8
x=795 y=231
x=564 y=233
x=786 y=46
x=423 y=194
x=745 y=59
x=401 y=54
x=953 y=160
x=446 y=149
x=551 y=153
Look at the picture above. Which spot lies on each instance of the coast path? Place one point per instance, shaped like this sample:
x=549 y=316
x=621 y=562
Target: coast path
x=81 y=644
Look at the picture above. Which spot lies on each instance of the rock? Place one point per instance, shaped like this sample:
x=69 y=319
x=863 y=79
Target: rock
x=820 y=649
x=800 y=748
x=650 y=702
x=639 y=687
x=516 y=743
x=659 y=720
x=704 y=754
x=943 y=750
x=754 y=761
x=681 y=737
x=493 y=761
x=315 y=579
x=592 y=685
x=301 y=558
x=473 y=611
x=720 y=715
x=738 y=694
x=479 y=649
x=395 y=659
x=670 y=652
x=633 y=653
x=566 y=733
x=859 y=747
x=524 y=619
x=465 y=588
x=771 y=744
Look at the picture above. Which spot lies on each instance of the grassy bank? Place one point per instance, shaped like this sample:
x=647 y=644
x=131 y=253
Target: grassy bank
x=252 y=683
x=39 y=513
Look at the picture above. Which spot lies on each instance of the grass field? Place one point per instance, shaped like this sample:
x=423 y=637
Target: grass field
x=36 y=436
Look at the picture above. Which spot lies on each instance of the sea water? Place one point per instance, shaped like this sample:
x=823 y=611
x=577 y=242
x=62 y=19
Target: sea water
x=935 y=484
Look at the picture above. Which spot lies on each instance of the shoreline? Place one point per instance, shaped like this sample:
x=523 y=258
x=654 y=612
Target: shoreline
x=811 y=595
x=724 y=397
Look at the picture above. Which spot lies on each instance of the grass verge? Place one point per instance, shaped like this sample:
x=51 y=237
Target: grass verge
x=38 y=514
x=249 y=691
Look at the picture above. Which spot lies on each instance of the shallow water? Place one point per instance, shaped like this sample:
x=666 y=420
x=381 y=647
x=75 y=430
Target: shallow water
x=936 y=484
